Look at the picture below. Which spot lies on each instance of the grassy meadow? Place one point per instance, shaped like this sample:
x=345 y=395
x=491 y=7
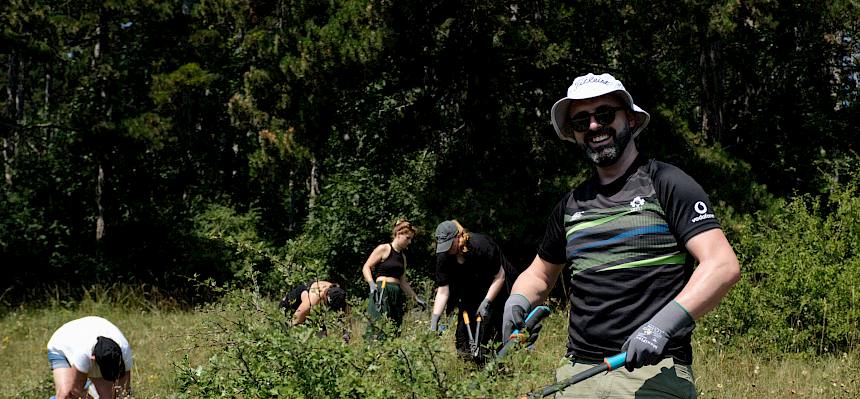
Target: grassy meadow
x=162 y=334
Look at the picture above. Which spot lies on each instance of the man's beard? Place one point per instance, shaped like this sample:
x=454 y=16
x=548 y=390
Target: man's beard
x=608 y=154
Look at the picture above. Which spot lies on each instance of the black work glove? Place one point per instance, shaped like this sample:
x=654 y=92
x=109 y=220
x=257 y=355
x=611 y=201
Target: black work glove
x=484 y=309
x=517 y=308
x=646 y=345
x=434 y=322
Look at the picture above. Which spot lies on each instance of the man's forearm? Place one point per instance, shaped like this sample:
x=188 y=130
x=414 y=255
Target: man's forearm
x=537 y=280
x=496 y=285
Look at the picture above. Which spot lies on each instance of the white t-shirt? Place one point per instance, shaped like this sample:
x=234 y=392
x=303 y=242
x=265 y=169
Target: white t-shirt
x=76 y=339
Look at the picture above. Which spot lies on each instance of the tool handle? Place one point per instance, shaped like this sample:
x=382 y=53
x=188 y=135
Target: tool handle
x=615 y=362
x=609 y=364
x=535 y=316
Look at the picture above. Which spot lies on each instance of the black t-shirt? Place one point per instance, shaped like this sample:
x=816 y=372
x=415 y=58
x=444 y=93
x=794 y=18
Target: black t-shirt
x=625 y=243
x=468 y=282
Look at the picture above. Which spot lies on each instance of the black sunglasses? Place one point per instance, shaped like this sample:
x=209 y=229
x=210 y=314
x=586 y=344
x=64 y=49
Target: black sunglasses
x=604 y=115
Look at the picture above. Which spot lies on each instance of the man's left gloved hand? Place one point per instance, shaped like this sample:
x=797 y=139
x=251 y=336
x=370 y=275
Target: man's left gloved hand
x=646 y=345
x=484 y=308
x=421 y=303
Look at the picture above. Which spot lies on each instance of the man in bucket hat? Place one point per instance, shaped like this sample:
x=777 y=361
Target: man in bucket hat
x=631 y=234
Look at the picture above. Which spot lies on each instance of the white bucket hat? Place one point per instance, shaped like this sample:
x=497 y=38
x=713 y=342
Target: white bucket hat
x=590 y=86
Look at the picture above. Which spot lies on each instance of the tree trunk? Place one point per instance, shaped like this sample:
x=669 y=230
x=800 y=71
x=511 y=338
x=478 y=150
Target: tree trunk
x=104 y=111
x=712 y=88
x=313 y=185
x=15 y=110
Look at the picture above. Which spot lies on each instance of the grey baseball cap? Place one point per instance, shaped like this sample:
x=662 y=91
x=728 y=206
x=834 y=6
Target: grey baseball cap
x=446 y=232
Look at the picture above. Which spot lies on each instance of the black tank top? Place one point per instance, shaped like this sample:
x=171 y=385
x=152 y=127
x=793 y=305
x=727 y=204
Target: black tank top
x=393 y=266
x=294 y=298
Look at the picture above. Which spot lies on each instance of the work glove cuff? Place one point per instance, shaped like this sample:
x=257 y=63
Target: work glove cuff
x=673 y=319
x=434 y=322
x=484 y=308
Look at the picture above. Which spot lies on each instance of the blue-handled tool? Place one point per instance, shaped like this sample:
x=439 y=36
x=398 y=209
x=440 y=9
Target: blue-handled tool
x=609 y=364
x=535 y=316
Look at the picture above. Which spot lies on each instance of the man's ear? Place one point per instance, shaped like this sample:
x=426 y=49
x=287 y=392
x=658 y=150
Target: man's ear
x=631 y=118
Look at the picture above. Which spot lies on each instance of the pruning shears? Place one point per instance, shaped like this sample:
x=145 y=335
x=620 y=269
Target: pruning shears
x=378 y=296
x=474 y=340
x=609 y=364
x=535 y=316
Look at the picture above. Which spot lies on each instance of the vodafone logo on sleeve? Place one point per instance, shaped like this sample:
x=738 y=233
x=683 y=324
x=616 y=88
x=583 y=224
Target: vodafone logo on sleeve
x=702 y=210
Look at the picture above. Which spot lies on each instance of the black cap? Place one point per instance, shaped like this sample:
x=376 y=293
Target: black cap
x=336 y=298
x=109 y=358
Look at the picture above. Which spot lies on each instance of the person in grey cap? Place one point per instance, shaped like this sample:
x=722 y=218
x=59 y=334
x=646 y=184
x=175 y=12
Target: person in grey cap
x=632 y=235
x=471 y=272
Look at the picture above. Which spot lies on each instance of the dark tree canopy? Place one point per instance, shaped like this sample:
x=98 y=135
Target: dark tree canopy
x=271 y=140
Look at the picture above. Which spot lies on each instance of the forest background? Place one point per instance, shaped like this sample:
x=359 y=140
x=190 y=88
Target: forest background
x=253 y=145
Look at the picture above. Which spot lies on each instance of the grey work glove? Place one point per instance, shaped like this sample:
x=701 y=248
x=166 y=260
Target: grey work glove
x=372 y=285
x=434 y=322
x=421 y=303
x=484 y=308
x=646 y=345
x=516 y=310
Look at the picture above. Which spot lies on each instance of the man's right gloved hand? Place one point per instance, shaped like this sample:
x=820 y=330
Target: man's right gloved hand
x=372 y=285
x=517 y=308
x=434 y=322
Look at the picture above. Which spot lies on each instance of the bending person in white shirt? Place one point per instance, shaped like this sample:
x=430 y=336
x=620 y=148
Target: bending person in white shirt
x=90 y=347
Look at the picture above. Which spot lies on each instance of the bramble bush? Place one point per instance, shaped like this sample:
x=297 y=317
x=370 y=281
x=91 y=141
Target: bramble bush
x=261 y=357
x=800 y=282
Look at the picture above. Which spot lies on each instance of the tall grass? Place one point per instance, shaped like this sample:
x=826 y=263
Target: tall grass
x=160 y=334
x=193 y=353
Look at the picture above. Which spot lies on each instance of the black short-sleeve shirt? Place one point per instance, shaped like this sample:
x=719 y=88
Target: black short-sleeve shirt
x=468 y=282
x=625 y=243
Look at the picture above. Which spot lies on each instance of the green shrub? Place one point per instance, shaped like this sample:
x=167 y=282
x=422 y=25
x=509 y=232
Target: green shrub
x=234 y=249
x=354 y=214
x=261 y=357
x=800 y=278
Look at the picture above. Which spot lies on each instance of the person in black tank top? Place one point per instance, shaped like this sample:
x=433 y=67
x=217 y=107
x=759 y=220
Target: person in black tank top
x=384 y=271
x=302 y=298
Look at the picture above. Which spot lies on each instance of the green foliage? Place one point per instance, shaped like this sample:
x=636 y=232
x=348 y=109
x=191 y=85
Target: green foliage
x=235 y=245
x=356 y=212
x=801 y=272
x=262 y=358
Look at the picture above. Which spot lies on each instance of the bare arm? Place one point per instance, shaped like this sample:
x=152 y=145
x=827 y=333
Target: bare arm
x=404 y=283
x=69 y=382
x=441 y=299
x=124 y=385
x=309 y=300
x=537 y=280
x=717 y=272
x=372 y=260
x=496 y=285
x=108 y=389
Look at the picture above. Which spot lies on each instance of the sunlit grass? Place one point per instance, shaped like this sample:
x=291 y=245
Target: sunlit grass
x=155 y=327
x=161 y=334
